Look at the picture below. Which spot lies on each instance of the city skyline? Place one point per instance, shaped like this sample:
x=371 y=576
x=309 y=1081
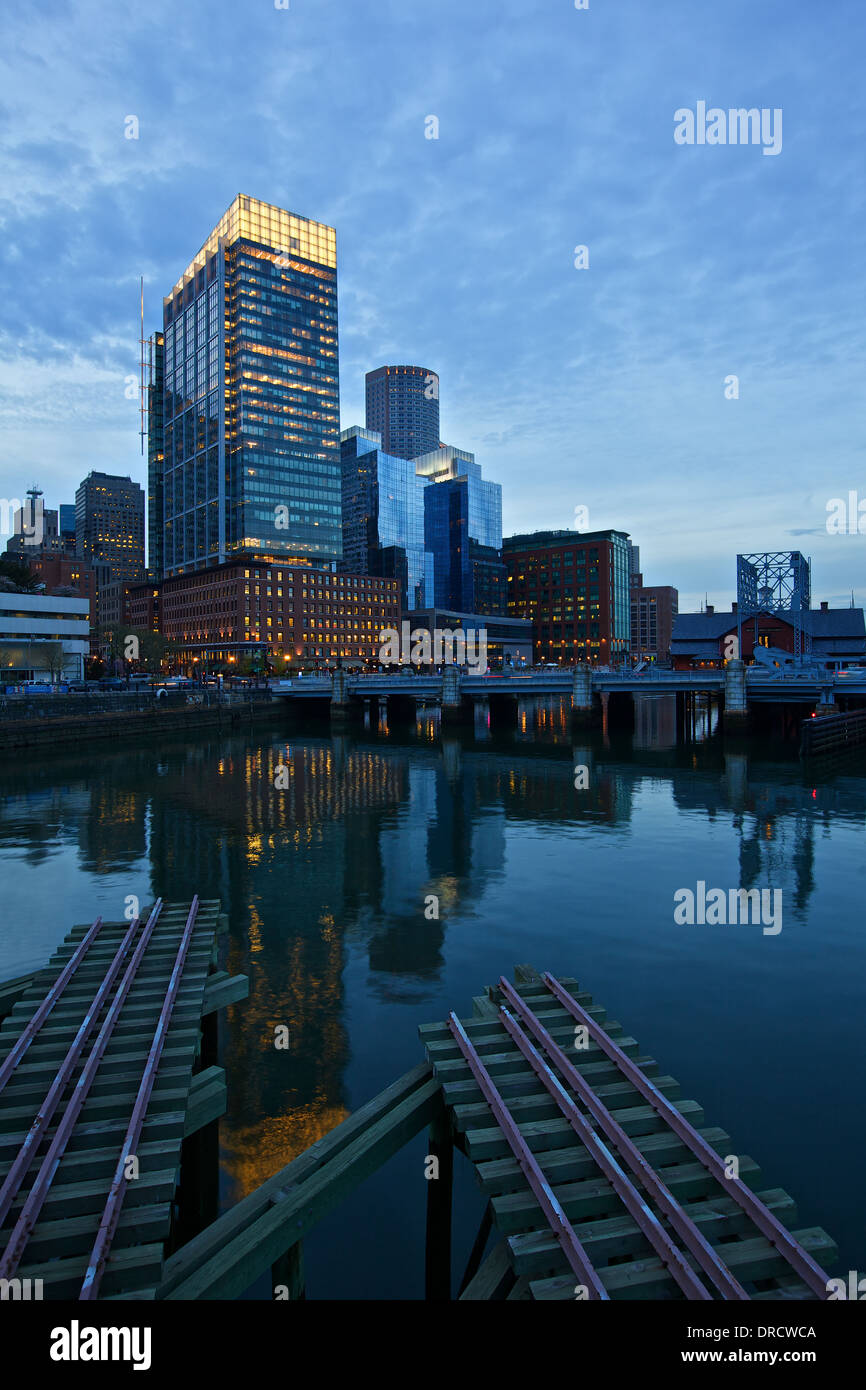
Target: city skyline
x=703 y=263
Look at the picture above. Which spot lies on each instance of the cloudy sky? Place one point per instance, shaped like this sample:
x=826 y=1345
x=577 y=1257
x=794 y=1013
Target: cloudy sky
x=601 y=387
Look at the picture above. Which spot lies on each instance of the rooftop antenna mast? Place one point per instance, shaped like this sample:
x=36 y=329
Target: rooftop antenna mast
x=142 y=430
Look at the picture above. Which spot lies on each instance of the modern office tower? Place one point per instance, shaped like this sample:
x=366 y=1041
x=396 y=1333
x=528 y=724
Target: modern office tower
x=155 y=454
x=383 y=517
x=463 y=530
x=403 y=407
x=575 y=588
x=109 y=524
x=251 y=396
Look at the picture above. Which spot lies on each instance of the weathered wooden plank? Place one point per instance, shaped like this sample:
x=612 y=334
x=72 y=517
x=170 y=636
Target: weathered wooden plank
x=542 y=1106
x=455 y=1068
x=71 y=1235
x=127 y=1268
x=79 y=1198
x=487 y=1143
x=594 y=1196
x=517 y=1080
x=611 y=1238
x=502 y=1175
x=748 y=1259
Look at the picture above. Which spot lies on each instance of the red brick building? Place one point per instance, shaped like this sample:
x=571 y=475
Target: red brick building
x=246 y=609
x=704 y=640
x=574 y=588
x=653 y=610
x=60 y=571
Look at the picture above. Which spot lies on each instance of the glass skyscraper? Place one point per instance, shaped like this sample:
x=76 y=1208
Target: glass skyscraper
x=250 y=406
x=403 y=407
x=383 y=517
x=463 y=529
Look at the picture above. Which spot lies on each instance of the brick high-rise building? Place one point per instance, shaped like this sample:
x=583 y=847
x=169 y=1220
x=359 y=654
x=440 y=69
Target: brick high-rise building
x=653 y=610
x=575 y=589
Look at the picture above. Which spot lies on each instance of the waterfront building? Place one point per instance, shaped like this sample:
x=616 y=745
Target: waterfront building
x=575 y=589
x=463 y=532
x=705 y=640
x=403 y=407
x=509 y=640
x=383 y=517
x=250 y=398
x=43 y=637
x=262 y=611
x=109 y=524
x=653 y=610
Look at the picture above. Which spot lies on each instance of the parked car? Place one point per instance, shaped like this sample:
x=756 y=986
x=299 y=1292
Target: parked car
x=76 y=687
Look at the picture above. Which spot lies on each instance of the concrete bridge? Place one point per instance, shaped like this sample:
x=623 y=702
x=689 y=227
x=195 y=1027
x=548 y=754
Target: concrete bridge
x=458 y=690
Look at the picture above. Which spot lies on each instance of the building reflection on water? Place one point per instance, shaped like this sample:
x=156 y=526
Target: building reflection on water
x=318 y=846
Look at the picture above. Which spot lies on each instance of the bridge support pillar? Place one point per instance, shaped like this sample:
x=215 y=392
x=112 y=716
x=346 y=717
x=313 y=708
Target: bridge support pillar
x=736 y=699
x=585 y=707
x=455 y=710
x=343 y=708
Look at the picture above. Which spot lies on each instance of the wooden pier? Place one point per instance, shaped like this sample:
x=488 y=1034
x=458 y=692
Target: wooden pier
x=109 y=1095
x=599 y=1181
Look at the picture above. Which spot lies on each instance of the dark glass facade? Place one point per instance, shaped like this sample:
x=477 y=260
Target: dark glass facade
x=463 y=530
x=251 y=398
x=383 y=517
x=403 y=407
x=155 y=453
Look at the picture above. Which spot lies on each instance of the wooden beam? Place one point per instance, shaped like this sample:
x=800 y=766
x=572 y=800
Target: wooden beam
x=223 y=989
x=184 y=1263
x=236 y=1263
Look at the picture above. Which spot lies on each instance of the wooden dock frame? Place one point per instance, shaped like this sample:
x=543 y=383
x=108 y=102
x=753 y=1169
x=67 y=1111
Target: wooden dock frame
x=179 y=1151
x=264 y=1233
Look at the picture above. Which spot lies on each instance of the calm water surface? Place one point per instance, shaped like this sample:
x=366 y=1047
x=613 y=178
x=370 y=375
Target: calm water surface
x=325 y=886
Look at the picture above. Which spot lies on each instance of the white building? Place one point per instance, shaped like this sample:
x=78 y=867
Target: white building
x=42 y=637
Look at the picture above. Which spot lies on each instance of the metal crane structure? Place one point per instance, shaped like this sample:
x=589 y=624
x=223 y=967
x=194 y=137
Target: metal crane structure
x=776 y=582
